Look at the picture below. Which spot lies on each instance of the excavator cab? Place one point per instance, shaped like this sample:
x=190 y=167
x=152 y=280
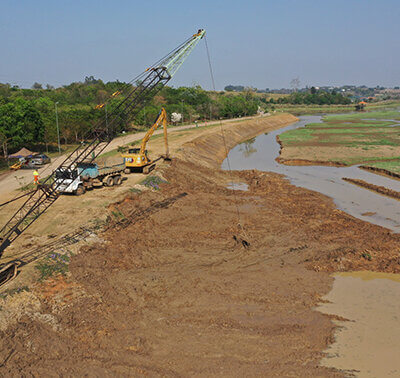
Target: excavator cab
x=135 y=161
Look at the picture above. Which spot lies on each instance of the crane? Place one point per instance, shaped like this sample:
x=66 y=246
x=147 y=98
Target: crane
x=137 y=158
x=144 y=87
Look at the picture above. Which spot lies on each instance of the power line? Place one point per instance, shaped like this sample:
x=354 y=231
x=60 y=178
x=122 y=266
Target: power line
x=244 y=242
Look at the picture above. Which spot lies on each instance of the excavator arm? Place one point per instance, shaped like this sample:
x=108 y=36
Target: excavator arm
x=161 y=119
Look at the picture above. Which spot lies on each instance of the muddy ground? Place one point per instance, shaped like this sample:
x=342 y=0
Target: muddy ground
x=172 y=289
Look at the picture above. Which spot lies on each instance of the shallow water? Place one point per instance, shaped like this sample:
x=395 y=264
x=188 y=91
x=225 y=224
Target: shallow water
x=369 y=342
x=260 y=153
x=238 y=186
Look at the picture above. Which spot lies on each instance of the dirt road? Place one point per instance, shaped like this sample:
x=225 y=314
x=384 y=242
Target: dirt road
x=171 y=290
x=11 y=181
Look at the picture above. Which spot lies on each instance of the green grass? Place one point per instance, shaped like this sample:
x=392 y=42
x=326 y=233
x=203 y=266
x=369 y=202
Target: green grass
x=321 y=109
x=364 y=115
x=392 y=166
x=297 y=135
x=365 y=124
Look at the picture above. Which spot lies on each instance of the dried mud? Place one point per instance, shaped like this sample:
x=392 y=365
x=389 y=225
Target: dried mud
x=173 y=292
x=304 y=162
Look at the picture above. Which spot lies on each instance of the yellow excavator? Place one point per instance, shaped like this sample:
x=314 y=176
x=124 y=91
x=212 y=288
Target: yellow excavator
x=137 y=159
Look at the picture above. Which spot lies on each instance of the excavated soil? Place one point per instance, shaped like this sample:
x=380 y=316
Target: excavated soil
x=175 y=289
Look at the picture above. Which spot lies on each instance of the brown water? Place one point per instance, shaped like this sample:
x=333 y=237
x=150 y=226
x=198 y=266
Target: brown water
x=369 y=343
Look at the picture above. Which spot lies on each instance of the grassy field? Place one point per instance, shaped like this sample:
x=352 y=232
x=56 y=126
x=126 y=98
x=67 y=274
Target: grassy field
x=369 y=138
x=322 y=109
x=391 y=166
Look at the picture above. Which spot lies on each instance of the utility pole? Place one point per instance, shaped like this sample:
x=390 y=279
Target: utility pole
x=182 y=110
x=106 y=118
x=58 y=130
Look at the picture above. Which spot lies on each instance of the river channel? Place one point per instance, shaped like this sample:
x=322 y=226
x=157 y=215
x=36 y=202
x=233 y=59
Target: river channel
x=260 y=153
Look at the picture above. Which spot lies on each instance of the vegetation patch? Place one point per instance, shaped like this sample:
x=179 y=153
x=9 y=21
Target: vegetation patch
x=364 y=115
x=298 y=135
x=153 y=182
x=53 y=264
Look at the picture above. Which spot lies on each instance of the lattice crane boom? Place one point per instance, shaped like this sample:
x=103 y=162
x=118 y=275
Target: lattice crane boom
x=144 y=87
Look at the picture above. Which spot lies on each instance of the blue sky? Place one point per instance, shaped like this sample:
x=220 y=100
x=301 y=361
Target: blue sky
x=258 y=43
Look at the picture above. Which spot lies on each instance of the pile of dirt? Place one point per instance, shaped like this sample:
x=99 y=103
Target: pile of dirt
x=172 y=292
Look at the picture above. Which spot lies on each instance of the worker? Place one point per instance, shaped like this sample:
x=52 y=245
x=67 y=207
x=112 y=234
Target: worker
x=36 y=177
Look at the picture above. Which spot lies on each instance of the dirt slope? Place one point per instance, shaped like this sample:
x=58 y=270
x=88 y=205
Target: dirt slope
x=172 y=291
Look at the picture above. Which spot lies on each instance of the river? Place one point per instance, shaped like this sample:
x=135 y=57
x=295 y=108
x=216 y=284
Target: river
x=260 y=153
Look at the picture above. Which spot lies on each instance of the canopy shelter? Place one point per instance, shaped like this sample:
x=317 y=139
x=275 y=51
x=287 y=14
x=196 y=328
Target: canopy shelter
x=22 y=153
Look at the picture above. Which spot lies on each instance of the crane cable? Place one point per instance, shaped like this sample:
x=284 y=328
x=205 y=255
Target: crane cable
x=244 y=242
x=16 y=198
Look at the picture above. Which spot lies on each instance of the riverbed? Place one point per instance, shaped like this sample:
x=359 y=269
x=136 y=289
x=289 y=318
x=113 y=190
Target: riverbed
x=260 y=153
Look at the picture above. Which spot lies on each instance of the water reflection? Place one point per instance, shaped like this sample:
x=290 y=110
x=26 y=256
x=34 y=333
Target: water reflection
x=247 y=147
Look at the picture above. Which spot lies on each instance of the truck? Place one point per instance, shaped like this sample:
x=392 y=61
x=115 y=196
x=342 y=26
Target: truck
x=86 y=176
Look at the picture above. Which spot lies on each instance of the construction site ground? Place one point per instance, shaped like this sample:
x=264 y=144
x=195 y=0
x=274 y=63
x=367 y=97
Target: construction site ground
x=172 y=286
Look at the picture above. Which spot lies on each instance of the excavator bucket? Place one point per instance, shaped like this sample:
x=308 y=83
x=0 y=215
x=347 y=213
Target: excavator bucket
x=8 y=272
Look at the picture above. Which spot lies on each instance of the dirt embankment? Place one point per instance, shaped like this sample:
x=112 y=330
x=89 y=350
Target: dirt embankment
x=375 y=188
x=212 y=149
x=171 y=293
x=381 y=171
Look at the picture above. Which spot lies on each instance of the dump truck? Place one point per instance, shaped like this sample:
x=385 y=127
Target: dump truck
x=87 y=176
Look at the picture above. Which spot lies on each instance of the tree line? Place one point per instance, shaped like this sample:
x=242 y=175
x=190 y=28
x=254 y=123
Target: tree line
x=313 y=97
x=28 y=116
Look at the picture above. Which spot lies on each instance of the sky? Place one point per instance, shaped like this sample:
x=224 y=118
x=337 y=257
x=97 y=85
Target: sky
x=264 y=44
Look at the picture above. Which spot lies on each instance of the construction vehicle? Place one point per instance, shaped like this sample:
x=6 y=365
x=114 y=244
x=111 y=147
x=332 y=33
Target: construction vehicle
x=87 y=176
x=137 y=159
x=360 y=106
x=147 y=84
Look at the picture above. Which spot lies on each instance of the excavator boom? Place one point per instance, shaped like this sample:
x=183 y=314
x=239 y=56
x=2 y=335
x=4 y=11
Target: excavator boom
x=161 y=119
